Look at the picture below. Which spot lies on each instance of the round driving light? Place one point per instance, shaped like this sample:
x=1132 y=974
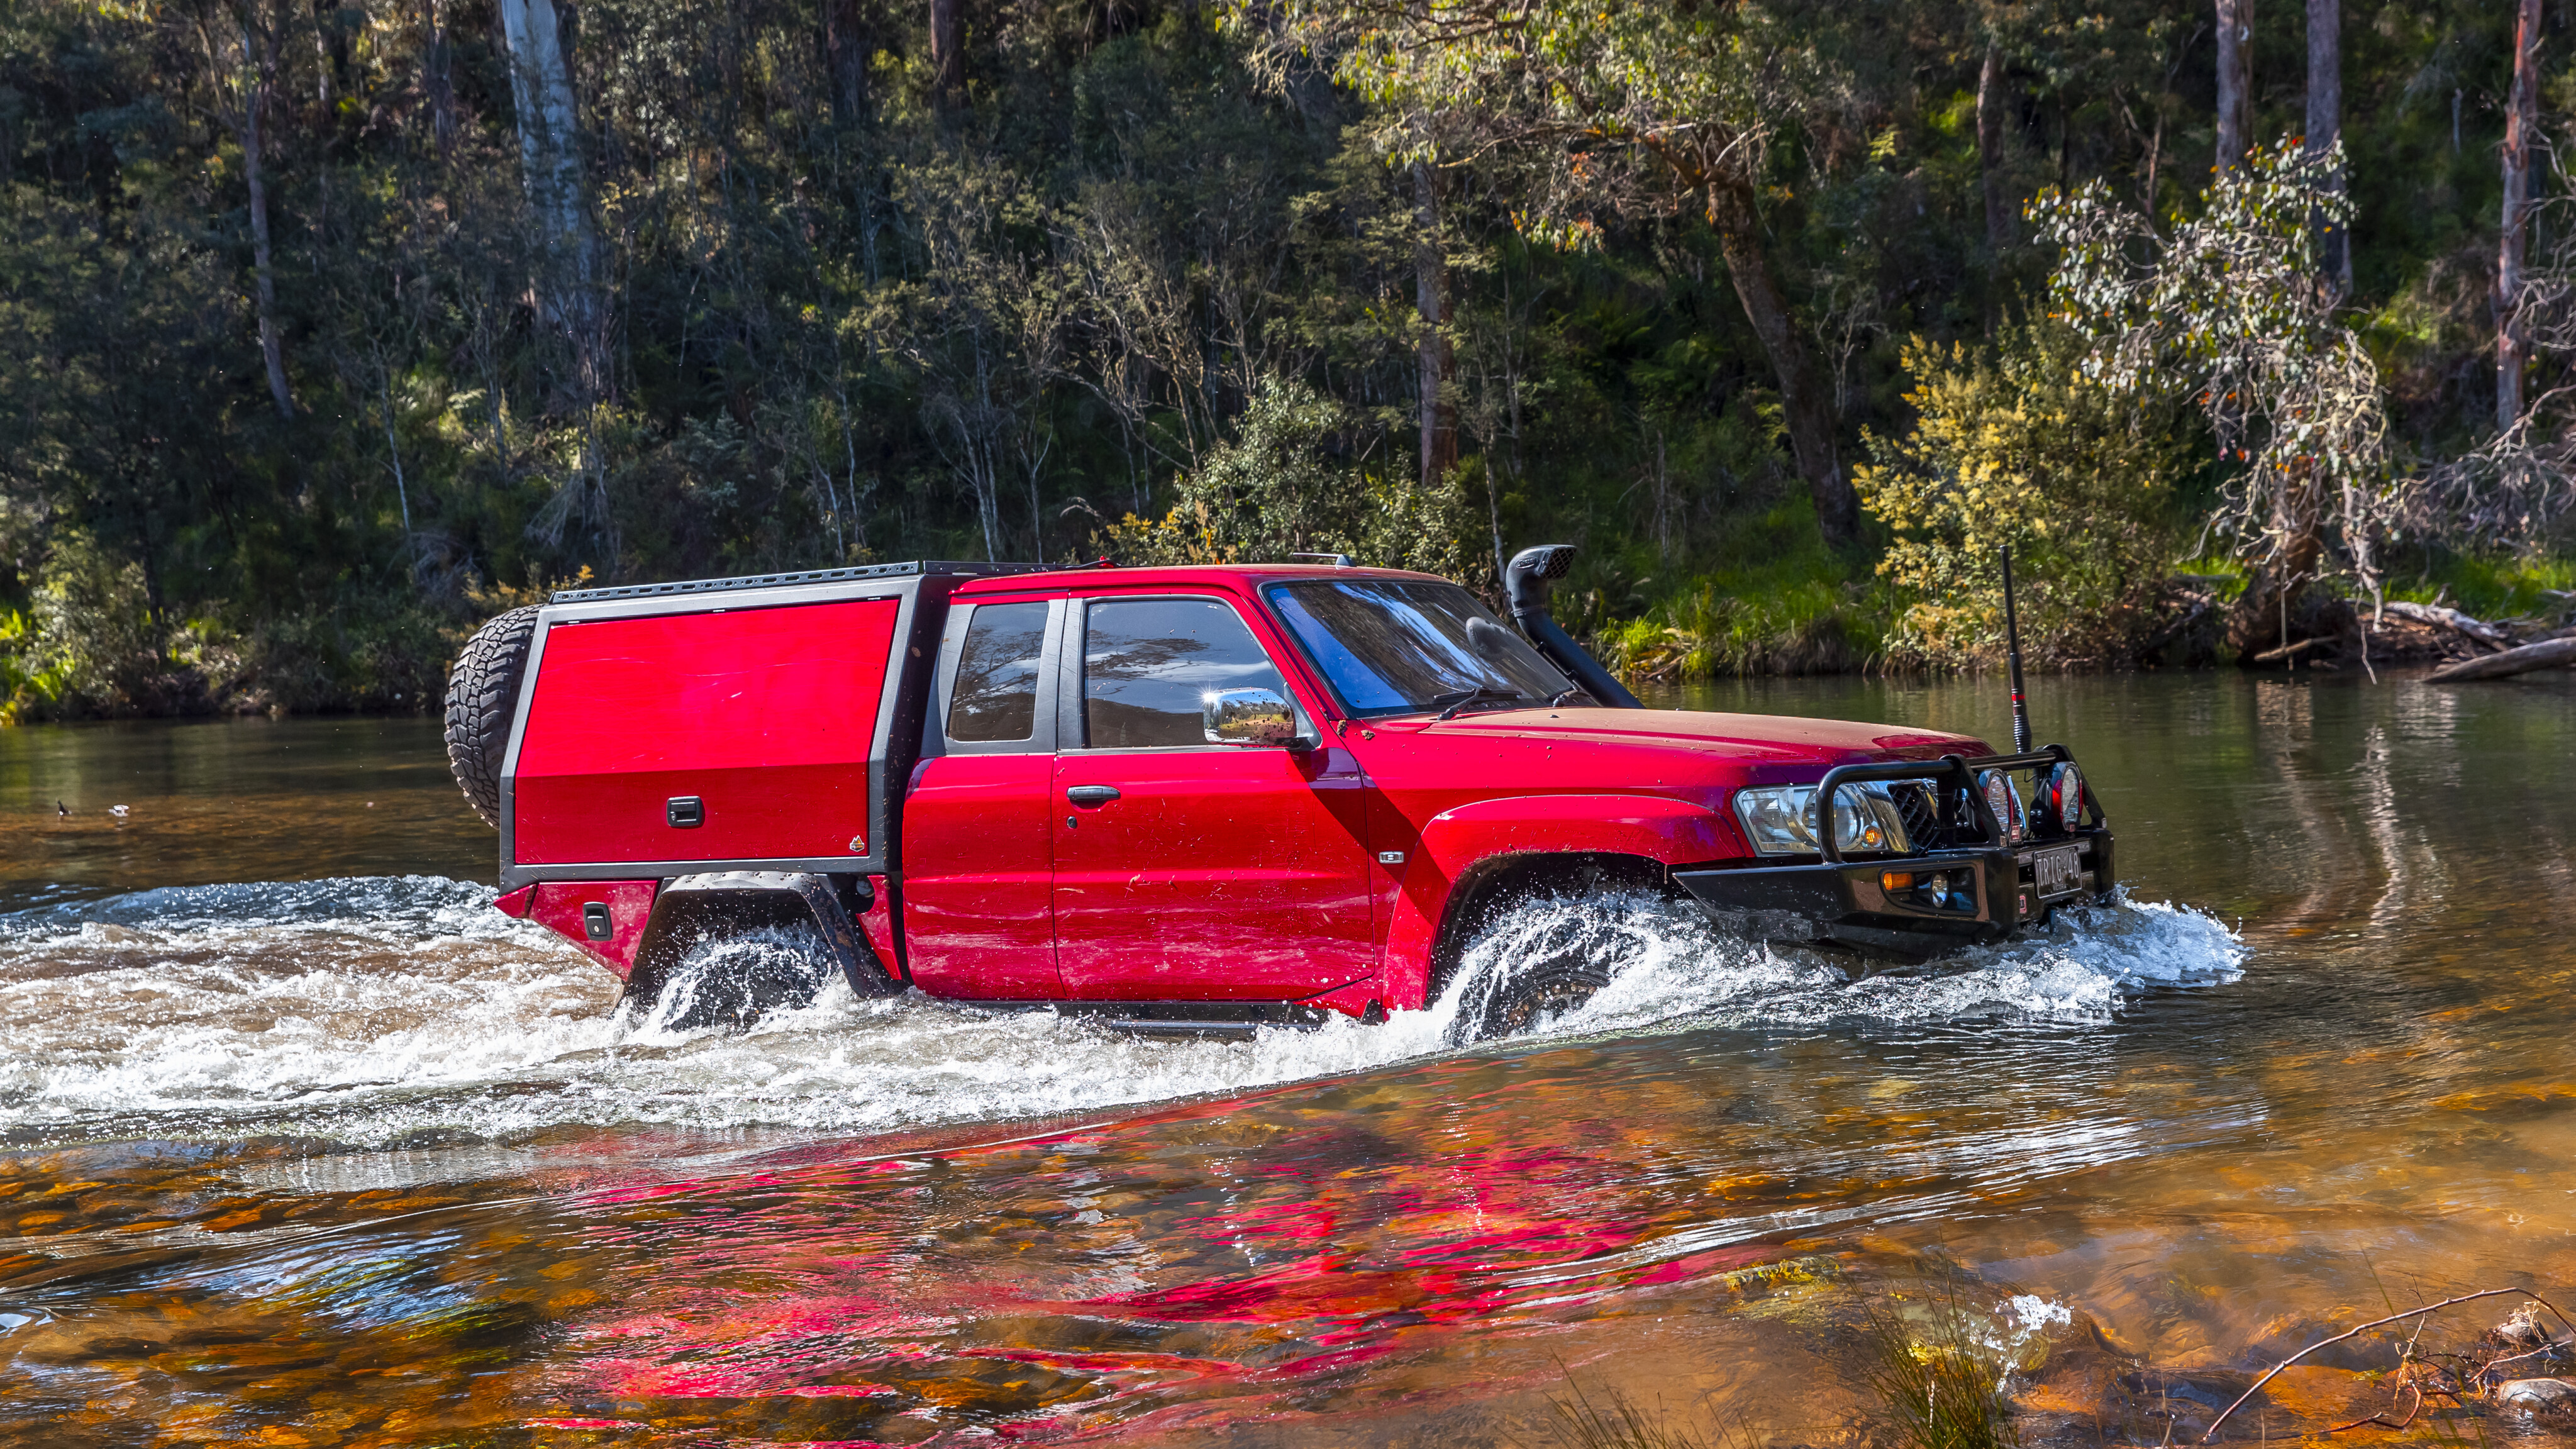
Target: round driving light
x=2066 y=797
x=2004 y=802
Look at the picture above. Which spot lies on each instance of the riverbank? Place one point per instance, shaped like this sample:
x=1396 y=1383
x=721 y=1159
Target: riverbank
x=1807 y=615
x=1815 y=622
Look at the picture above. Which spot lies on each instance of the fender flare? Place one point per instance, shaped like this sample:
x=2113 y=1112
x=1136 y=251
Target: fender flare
x=1458 y=843
x=691 y=906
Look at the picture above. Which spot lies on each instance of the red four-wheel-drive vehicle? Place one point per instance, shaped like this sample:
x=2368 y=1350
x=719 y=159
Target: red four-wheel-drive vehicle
x=1194 y=797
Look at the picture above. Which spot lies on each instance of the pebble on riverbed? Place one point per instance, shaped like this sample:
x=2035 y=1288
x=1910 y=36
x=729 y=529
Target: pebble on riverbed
x=2555 y=1398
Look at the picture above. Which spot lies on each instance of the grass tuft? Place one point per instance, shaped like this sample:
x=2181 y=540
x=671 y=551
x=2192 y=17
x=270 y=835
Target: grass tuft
x=1609 y=1419
x=1938 y=1375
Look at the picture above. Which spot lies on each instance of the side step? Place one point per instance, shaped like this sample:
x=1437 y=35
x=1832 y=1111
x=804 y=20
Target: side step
x=1176 y=1018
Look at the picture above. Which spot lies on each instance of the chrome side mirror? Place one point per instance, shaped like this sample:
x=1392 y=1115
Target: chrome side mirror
x=1247 y=717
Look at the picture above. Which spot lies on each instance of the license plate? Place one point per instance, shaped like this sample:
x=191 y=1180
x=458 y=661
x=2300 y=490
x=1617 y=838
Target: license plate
x=2057 y=872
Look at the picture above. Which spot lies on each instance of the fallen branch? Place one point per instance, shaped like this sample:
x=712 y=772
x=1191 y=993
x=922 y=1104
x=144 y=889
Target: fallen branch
x=2546 y=654
x=2451 y=619
x=2356 y=1329
x=2287 y=650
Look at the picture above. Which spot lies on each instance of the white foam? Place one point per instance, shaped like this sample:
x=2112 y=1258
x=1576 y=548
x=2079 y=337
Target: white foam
x=366 y=1009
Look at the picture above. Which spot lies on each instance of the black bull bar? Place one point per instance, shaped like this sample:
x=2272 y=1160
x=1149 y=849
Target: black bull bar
x=1995 y=886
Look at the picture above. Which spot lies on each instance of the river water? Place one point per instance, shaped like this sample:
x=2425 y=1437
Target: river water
x=301 y=1142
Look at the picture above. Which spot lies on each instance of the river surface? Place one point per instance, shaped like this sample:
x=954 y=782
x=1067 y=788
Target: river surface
x=303 y=1143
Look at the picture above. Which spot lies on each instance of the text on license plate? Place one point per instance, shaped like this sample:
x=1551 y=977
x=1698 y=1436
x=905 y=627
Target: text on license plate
x=2056 y=872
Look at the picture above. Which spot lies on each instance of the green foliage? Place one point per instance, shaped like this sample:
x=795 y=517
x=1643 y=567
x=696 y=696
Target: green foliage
x=94 y=647
x=2226 y=310
x=2494 y=586
x=1277 y=489
x=1140 y=264
x=1796 y=614
x=2020 y=447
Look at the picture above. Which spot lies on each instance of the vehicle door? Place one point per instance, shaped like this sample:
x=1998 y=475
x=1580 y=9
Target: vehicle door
x=1186 y=869
x=977 y=840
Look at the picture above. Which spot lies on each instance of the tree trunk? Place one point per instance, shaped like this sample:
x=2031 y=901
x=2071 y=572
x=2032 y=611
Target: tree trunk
x=272 y=351
x=1990 y=148
x=2235 y=82
x=437 y=80
x=2272 y=594
x=2325 y=127
x=845 y=56
x=2521 y=120
x=558 y=196
x=1804 y=400
x=947 y=49
x=1434 y=355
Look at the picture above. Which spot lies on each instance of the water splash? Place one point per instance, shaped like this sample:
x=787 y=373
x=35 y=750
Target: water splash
x=371 y=1010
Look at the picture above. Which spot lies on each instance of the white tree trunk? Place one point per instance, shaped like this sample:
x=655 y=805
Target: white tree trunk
x=2235 y=82
x=558 y=195
x=2521 y=120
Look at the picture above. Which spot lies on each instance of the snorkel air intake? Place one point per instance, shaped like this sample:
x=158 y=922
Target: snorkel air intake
x=1525 y=584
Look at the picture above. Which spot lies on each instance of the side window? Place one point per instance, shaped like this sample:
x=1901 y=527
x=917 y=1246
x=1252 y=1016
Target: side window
x=996 y=698
x=1146 y=663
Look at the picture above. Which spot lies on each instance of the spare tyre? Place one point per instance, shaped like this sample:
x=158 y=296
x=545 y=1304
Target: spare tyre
x=482 y=696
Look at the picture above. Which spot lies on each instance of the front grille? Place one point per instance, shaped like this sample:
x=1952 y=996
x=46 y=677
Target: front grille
x=1920 y=808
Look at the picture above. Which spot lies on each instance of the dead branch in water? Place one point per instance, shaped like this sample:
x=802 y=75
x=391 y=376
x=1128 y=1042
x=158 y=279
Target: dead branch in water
x=2547 y=654
x=2356 y=1329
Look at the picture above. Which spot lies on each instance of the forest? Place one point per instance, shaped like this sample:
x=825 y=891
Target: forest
x=330 y=327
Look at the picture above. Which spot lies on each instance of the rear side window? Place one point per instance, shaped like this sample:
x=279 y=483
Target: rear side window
x=996 y=698
x=1147 y=663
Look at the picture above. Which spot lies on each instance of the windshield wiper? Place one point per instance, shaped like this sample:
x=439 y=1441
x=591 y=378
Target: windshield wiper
x=1450 y=704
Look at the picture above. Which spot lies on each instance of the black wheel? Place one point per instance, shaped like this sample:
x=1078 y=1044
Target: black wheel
x=731 y=980
x=1537 y=959
x=1537 y=993
x=482 y=695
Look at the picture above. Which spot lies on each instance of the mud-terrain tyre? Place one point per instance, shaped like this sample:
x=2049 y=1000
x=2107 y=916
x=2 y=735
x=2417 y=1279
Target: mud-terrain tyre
x=1557 y=982
x=732 y=980
x=482 y=695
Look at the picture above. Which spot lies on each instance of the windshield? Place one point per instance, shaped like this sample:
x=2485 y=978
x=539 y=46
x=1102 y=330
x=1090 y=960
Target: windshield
x=1395 y=646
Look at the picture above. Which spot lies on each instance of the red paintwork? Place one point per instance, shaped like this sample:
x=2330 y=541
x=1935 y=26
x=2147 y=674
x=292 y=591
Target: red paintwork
x=877 y=924
x=976 y=872
x=1497 y=771
x=557 y=905
x=1218 y=875
x=1670 y=832
x=768 y=715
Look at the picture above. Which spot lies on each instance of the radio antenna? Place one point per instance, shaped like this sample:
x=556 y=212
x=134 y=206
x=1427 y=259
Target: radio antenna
x=2012 y=656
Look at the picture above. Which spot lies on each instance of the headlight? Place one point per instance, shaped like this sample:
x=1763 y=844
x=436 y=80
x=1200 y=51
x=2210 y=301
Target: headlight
x=2065 y=798
x=1781 y=819
x=2005 y=801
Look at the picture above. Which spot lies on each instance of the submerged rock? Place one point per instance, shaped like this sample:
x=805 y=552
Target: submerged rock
x=2554 y=1397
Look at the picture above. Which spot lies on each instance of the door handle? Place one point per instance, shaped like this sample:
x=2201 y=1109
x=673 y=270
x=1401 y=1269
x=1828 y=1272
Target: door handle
x=1090 y=795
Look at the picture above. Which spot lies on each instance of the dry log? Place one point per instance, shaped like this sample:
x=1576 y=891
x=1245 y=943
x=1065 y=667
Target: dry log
x=2548 y=654
x=2287 y=650
x=2451 y=619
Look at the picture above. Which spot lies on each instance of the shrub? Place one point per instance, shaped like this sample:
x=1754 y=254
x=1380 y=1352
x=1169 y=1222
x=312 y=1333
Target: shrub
x=2019 y=448
x=91 y=646
x=1278 y=489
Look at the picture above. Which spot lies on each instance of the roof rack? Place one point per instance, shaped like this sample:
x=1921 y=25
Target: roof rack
x=792 y=580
